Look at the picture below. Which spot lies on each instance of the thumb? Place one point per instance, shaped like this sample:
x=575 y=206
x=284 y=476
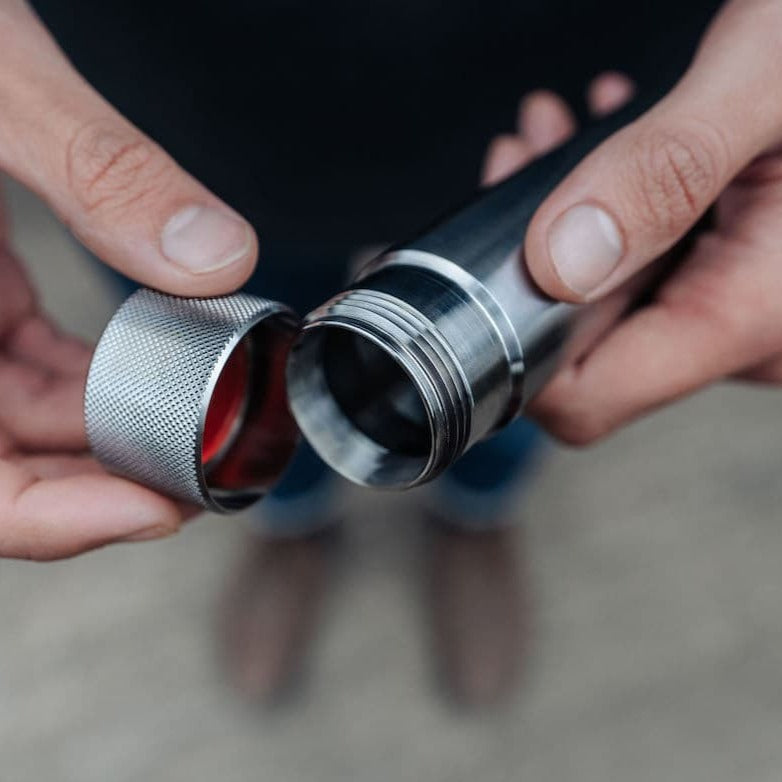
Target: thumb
x=639 y=192
x=116 y=189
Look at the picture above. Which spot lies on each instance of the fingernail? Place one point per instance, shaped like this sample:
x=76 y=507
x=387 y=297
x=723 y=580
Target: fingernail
x=202 y=239
x=585 y=246
x=150 y=533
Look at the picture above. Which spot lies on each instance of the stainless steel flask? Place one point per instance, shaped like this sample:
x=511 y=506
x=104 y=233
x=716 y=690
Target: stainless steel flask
x=439 y=341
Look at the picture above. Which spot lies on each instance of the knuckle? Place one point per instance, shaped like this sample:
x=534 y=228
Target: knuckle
x=706 y=289
x=579 y=431
x=562 y=412
x=110 y=167
x=698 y=308
x=677 y=174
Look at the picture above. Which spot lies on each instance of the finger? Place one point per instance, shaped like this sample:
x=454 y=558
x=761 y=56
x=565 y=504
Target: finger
x=56 y=465
x=17 y=294
x=545 y=121
x=602 y=317
x=36 y=341
x=608 y=92
x=52 y=519
x=506 y=155
x=5 y=226
x=714 y=318
x=41 y=410
x=18 y=300
x=118 y=191
x=7 y=445
x=767 y=372
x=640 y=191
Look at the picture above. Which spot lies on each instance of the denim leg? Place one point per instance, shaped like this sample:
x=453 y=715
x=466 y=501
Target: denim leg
x=477 y=491
x=301 y=503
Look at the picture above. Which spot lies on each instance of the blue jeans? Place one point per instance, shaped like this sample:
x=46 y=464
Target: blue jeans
x=474 y=492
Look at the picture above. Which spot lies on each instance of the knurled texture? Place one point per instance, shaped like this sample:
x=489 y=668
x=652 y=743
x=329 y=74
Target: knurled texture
x=149 y=382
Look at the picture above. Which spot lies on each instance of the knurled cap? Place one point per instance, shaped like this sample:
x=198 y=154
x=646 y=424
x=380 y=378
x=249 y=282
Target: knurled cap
x=151 y=394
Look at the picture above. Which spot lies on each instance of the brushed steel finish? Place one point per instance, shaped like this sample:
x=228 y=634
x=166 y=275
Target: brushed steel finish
x=472 y=337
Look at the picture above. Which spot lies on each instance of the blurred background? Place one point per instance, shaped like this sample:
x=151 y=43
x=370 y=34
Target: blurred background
x=652 y=628
x=641 y=581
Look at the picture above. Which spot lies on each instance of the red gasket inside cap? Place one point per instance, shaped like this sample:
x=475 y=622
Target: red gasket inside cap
x=226 y=404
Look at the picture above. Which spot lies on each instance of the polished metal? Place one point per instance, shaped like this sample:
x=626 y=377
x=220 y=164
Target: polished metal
x=151 y=383
x=440 y=341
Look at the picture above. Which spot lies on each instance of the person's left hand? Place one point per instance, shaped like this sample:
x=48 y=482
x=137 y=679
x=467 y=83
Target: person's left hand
x=714 y=140
x=55 y=500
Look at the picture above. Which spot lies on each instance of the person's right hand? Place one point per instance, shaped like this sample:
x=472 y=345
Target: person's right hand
x=129 y=203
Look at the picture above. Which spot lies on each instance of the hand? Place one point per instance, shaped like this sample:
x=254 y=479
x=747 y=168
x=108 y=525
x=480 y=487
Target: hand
x=717 y=137
x=129 y=203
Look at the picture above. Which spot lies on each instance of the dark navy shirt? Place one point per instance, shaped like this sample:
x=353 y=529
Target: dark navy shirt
x=349 y=121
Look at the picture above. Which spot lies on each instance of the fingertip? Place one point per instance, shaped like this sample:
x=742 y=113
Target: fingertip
x=506 y=155
x=154 y=518
x=537 y=257
x=216 y=249
x=608 y=92
x=545 y=120
x=146 y=514
x=62 y=517
x=230 y=278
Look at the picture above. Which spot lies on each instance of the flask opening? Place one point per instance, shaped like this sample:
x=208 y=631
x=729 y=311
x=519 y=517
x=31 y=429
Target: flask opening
x=361 y=407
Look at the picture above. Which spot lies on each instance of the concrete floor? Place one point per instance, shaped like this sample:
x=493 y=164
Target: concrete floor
x=655 y=652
